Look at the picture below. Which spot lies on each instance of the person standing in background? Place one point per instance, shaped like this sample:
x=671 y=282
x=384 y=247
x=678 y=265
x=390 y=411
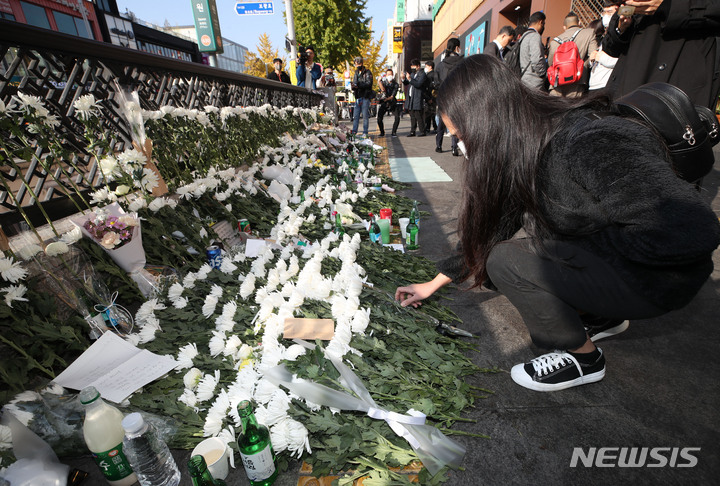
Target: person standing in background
x=667 y=41
x=278 y=74
x=309 y=72
x=417 y=80
x=602 y=63
x=499 y=44
x=533 y=63
x=586 y=44
x=362 y=87
x=451 y=58
x=433 y=83
x=388 y=103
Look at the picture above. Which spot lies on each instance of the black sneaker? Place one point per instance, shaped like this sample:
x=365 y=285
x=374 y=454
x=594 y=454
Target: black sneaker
x=393 y=135
x=412 y=134
x=557 y=371
x=598 y=328
x=438 y=150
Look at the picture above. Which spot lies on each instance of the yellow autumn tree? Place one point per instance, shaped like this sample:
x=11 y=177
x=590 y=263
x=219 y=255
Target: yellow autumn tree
x=260 y=63
x=370 y=52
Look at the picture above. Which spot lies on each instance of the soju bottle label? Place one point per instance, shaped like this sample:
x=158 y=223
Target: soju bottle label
x=113 y=463
x=259 y=466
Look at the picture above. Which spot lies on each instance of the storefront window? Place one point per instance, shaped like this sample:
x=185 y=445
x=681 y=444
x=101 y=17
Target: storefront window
x=35 y=15
x=65 y=23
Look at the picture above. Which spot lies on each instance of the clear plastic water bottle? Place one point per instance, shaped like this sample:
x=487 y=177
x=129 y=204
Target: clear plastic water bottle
x=149 y=456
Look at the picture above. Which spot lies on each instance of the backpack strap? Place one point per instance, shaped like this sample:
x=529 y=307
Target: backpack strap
x=572 y=39
x=518 y=47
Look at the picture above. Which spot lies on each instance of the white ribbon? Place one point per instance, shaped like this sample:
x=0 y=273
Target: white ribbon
x=432 y=447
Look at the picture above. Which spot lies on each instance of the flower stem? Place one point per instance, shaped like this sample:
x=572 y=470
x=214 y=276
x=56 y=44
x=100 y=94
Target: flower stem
x=27 y=356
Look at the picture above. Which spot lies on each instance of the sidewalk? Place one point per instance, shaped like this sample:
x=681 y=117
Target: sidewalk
x=660 y=389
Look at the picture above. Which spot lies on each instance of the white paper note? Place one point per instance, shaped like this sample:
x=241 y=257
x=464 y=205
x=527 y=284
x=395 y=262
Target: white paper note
x=115 y=367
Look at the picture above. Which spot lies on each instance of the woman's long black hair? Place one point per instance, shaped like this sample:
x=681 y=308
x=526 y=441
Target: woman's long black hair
x=505 y=127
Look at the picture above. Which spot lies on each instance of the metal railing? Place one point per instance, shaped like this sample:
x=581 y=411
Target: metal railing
x=60 y=68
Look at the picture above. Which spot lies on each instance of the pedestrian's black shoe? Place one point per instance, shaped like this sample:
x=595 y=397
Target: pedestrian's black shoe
x=393 y=134
x=411 y=134
x=434 y=132
x=455 y=152
x=422 y=134
x=382 y=134
x=557 y=371
x=438 y=150
x=599 y=328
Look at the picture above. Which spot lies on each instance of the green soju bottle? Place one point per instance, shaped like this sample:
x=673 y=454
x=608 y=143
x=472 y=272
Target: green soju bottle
x=416 y=213
x=338 y=224
x=199 y=473
x=302 y=196
x=255 y=448
x=411 y=233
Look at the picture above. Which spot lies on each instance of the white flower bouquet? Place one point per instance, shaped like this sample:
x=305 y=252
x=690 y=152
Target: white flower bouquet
x=119 y=234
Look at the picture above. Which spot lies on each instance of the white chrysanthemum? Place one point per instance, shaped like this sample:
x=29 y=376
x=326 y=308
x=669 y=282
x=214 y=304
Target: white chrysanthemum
x=11 y=271
x=244 y=352
x=227 y=266
x=56 y=248
x=175 y=291
x=189 y=281
x=14 y=293
x=206 y=386
x=293 y=352
x=147 y=333
x=216 y=415
x=360 y=320
x=217 y=343
x=137 y=204
x=265 y=390
x=248 y=286
x=133 y=339
x=72 y=236
x=192 y=378
x=131 y=160
x=29 y=251
x=188 y=398
x=225 y=322
x=231 y=345
x=180 y=303
x=297 y=438
x=147 y=310
x=149 y=180
x=186 y=355
x=208 y=308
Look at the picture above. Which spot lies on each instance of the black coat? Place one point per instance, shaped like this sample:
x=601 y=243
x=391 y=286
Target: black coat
x=675 y=45
x=363 y=81
x=606 y=186
x=492 y=50
x=448 y=63
x=419 y=82
x=284 y=77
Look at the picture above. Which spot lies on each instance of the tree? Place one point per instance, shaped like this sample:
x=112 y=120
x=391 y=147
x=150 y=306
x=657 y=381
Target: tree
x=336 y=29
x=257 y=64
x=370 y=52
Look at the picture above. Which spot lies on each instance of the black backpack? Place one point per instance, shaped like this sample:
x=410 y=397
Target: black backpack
x=512 y=58
x=689 y=131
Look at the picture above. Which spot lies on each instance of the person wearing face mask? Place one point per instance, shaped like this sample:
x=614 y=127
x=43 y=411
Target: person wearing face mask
x=451 y=58
x=309 y=72
x=602 y=63
x=417 y=80
x=278 y=74
x=362 y=87
x=611 y=232
x=388 y=103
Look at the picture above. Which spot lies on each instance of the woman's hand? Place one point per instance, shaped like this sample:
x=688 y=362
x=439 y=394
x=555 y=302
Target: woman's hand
x=415 y=293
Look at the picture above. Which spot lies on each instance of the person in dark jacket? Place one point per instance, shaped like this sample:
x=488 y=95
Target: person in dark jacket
x=497 y=47
x=612 y=232
x=433 y=83
x=388 y=103
x=417 y=79
x=669 y=41
x=451 y=58
x=362 y=87
x=278 y=74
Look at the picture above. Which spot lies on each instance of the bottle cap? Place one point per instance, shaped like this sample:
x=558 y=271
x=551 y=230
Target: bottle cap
x=88 y=395
x=133 y=423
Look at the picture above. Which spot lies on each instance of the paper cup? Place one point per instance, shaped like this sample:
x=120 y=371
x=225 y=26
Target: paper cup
x=403 y=226
x=216 y=456
x=384 y=225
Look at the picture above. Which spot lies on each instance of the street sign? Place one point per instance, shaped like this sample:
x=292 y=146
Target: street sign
x=207 y=26
x=254 y=8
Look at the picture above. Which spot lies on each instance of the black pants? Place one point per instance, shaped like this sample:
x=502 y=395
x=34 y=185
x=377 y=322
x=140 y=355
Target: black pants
x=549 y=293
x=441 y=133
x=388 y=108
x=417 y=121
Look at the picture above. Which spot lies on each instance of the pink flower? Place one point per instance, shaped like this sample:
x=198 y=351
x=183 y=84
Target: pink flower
x=110 y=240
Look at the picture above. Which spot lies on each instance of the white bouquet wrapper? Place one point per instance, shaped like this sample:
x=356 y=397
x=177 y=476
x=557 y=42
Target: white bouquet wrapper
x=131 y=256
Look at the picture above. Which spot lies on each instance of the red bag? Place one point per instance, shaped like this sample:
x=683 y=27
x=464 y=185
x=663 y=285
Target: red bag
x=567 y=66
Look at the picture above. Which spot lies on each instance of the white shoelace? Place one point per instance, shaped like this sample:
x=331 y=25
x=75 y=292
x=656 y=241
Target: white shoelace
x=550 y=362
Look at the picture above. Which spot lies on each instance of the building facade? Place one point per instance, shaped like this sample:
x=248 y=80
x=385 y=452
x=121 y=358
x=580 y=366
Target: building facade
x=72 y=17
x=232 y=58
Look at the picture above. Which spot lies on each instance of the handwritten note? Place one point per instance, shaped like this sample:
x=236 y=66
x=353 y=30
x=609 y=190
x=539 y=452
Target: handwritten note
x=300 y=328
x=115 y=367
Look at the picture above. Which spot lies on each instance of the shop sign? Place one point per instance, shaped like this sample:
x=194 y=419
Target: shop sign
x=207 y=26
x=397 y=39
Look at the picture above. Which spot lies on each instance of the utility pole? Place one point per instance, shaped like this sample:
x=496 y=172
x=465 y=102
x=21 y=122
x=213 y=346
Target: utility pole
x=291 y=29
